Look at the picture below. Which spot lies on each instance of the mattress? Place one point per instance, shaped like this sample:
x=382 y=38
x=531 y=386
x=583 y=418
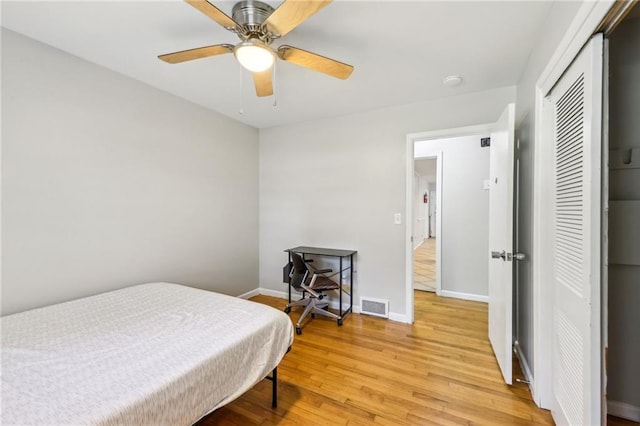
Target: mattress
x=154 y=353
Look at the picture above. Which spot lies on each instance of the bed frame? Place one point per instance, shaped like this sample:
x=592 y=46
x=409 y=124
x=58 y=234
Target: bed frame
x=152 y=353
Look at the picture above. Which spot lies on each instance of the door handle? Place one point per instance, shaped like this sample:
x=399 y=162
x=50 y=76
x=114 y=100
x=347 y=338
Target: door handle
x=507 y=256
x=499 y=255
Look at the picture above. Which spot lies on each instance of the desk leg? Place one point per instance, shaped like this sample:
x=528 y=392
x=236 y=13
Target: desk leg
x=340 y=281
x=289 y=286
x=350 y=283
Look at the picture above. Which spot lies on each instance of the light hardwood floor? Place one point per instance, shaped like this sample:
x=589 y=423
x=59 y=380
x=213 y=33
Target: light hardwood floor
x=424 y=266
x=439 y=370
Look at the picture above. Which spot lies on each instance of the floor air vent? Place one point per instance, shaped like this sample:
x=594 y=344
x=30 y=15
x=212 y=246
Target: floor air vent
x=377 y=307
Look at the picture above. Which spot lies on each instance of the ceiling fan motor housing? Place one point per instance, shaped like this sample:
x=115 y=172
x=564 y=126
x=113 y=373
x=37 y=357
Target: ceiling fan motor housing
x=257 y=24
x=251 y=14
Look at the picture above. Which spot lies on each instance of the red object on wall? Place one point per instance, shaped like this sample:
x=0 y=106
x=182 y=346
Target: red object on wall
x=425 y=198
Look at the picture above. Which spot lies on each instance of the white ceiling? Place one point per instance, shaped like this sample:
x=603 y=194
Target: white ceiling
x=401 y=51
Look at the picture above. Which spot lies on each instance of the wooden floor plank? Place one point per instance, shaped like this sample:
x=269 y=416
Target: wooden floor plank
x=439 y=370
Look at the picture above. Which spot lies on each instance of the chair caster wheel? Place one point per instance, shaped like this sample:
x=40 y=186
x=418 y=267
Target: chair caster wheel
x=287 y=309
x=340 y=322
x=298 y=331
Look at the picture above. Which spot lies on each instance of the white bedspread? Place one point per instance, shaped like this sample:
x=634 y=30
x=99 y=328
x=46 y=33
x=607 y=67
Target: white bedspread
x=151 y=354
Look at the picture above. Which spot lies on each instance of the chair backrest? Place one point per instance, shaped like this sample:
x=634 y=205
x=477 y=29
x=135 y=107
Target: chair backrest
x=299 y=272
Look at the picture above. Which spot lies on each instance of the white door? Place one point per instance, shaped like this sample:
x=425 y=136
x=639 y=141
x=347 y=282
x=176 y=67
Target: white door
x=501 y=240
x=574 y=106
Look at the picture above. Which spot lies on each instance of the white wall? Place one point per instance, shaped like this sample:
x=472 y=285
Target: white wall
x=557 y=22
x=338 y=182
x=465 y=212
x=107 y=182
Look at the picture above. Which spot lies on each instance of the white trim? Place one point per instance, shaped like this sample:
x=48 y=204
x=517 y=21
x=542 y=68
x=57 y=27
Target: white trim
x=334 y=304
x=412 y=138
x=584 y=24
x=394 y=316
x=408 y=231
x=597 y=388
x=449 y=133
x=250 y=294
x=540 y=258
x=274 y=293
x=524 y=365
x=419 y=244
x=604 y=249
x=439 y=174
x=624 y=410
x=586 y=21
x=465 y=296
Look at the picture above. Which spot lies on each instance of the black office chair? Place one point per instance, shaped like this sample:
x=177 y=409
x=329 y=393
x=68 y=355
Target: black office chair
x=313 y=287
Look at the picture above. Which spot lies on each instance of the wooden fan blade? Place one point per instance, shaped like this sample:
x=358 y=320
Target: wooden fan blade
x=197 y=53
x=262 y=81
x=292 y=13
x=315 y=62
x=214 y=13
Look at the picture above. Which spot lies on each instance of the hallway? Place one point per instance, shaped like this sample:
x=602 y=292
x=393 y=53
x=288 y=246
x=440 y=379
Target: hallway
x=424 y=266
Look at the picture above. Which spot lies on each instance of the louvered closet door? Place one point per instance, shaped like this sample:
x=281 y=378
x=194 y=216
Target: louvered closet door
x=576 y=105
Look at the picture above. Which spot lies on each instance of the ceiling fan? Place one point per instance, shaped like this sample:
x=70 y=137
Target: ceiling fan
x=257 y=24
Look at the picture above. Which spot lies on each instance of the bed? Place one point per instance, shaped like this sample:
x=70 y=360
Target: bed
x=155 y=353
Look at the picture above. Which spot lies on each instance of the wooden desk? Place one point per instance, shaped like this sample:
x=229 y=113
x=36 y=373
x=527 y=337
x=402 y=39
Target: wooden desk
x=342 y=255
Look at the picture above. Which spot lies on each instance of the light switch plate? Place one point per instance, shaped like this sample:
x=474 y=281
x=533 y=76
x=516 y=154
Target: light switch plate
x=397 y=219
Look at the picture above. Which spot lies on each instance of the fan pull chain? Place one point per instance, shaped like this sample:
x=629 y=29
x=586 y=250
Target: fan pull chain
x=241 y=110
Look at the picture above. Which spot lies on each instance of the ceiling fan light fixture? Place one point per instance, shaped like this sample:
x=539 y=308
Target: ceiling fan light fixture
x=254 y=55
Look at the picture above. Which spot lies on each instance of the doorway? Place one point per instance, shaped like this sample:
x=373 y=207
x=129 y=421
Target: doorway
x=424 y=224
x=461 y=203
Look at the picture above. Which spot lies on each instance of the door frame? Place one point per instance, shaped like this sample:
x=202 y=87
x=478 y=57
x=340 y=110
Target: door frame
x=586 y=22
x=412 y=138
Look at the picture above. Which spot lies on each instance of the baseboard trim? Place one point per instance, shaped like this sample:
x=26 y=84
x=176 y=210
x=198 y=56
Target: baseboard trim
x=334 y=304
x=465 y=296
x=394 y=316
x=624 y=410
x=273 y=293
x=250 y=294
x=525 y=366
